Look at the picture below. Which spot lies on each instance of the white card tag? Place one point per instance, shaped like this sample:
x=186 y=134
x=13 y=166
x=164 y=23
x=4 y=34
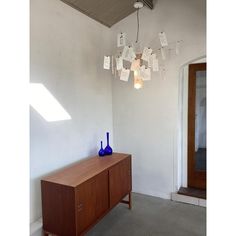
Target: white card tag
x=135 y=65
x=119 y=63
x=124 y=75
x=145 y=73
x=163 y=39
x=150 y=59
x=121 y=40
x=125 y=53
x=128 y=54
x=142 y=69
x=146 y=53
x=132 y=54
x=155 y=65
x=163 y=54
x=106 y=64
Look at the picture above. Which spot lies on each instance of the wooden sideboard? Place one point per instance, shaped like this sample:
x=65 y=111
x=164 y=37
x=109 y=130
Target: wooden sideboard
x=77 y=197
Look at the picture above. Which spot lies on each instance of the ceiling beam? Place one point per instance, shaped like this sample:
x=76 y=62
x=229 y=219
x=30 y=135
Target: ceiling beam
x=148 y=3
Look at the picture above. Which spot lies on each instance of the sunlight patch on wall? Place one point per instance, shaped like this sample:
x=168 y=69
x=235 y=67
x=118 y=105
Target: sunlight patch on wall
x=45 y=104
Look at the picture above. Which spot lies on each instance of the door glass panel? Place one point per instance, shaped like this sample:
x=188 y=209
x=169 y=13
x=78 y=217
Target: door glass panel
x=200 y=122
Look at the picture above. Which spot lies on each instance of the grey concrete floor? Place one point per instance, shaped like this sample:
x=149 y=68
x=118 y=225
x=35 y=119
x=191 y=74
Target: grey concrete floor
x=151 y=216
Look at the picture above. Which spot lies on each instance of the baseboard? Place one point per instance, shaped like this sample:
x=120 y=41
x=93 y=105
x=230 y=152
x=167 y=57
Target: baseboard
x=154 y=193
x=188 y=199
x=36 y=228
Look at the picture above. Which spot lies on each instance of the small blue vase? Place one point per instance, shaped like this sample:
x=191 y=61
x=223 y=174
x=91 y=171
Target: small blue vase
x=108 y=149
x=101 y=152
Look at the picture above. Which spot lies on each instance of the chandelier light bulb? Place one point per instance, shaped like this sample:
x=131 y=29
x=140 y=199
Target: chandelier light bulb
x=138 y=83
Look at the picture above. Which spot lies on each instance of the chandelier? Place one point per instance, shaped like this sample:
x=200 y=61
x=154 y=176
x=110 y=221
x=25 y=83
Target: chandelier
x=129 y=59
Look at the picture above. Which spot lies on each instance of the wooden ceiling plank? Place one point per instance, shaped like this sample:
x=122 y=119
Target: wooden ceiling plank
x=107 y=12
x=148 y=3
x=123 y=11
x=85 y=12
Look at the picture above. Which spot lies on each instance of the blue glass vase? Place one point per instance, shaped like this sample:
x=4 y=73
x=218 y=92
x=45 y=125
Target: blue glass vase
x=108 y=149
x=101 y=152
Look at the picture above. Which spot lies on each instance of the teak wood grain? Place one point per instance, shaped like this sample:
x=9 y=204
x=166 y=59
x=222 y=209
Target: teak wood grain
x=53 y=196
x=84 y=170
x=119 y=181
x=92 y=197
x=78 y=196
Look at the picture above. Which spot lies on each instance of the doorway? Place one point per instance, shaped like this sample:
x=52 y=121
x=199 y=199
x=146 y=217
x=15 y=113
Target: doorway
x=197 y=147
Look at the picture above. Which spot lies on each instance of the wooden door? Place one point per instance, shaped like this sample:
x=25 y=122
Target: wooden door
x=196 y=177
x=119 y=181
x=92 y=200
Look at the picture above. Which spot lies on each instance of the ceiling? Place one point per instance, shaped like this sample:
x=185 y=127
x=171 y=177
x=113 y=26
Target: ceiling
x=107 y=12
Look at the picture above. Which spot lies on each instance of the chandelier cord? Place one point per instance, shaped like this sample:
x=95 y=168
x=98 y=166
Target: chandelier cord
x=137 y=25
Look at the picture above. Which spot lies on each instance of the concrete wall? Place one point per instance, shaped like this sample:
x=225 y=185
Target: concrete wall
x=146 y=122
x=67 y=51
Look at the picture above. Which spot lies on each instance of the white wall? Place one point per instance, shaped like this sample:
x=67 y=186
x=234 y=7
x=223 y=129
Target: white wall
x=67 y=51
x=146 y=122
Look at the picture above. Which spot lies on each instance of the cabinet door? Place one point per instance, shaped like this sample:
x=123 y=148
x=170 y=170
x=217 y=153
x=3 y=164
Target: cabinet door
x=92 y=200
x=58 y=206
x=120 y=181
x=102 y=195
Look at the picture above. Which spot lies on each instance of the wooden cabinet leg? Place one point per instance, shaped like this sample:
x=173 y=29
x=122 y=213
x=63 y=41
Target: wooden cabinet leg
x=130 y=201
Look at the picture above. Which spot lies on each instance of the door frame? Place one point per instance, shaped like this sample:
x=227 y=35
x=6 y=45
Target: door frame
x=196 y=179
x=180 y=138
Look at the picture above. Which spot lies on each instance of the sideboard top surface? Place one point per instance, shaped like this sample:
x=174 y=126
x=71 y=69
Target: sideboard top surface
x=84 y=170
